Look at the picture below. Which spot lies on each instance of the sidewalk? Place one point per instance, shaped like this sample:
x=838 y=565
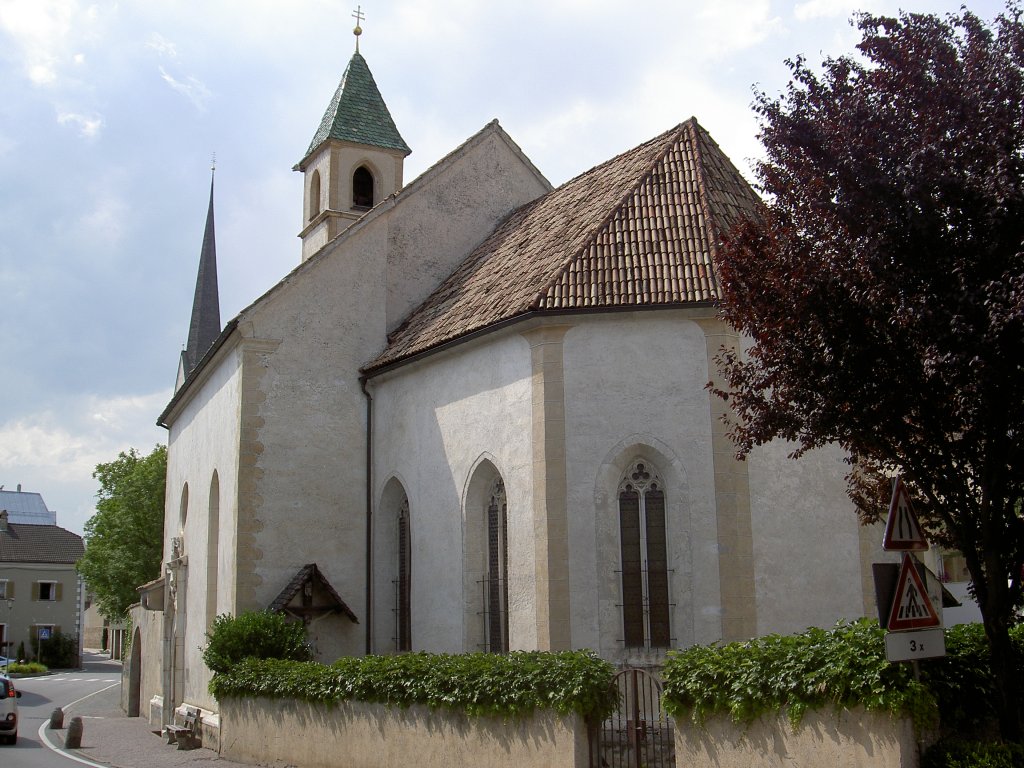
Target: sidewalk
x=111 y=738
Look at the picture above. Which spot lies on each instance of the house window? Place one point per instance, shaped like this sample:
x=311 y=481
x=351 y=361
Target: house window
x=49 y=591
x=644 y=551
x=496 y=595
x=362 y=188
x=4 y=589
x=404 y=583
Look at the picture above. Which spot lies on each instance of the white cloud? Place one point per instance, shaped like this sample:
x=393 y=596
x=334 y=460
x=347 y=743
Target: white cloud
x=817 y=9
x=727 y=26
x=55 y=453
x=191 y=88
x=162 y=45
x=40 y=30
x=105 y=221
x=88 y=127
x=553 y=129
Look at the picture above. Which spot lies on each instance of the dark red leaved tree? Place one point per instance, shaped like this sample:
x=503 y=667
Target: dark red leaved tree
x=883 y=288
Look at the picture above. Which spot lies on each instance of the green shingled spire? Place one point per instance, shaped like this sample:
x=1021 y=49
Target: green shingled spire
x=357 y=113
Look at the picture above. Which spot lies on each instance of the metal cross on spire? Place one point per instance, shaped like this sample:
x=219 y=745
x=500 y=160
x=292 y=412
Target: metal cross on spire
x=358 y=16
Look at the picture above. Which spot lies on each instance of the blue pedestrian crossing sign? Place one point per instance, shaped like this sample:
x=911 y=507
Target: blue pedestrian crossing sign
x=902 y=530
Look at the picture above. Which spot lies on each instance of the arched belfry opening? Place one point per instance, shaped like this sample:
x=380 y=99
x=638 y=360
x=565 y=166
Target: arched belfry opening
x=354 y=161
x=314 y=195
x=362 y=189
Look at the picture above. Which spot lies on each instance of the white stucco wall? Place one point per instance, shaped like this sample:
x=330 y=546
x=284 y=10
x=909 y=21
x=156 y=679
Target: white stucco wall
x=826 y=737
x=435 y=423
x=463 y=204
x=806 y=539
x=203 y=438
x=634 y=387
x=354 y=734
x=304 y=427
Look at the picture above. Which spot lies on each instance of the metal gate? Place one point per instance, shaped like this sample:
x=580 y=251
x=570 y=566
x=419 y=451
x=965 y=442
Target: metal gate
x=637 y=734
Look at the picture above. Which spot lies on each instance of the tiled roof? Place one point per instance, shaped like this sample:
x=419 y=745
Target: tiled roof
x=357 y=113
x=307 y=573
x=39 y=544
x=638 y=230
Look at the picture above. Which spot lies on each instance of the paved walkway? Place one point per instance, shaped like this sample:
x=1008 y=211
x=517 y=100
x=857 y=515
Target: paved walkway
x=110 y=738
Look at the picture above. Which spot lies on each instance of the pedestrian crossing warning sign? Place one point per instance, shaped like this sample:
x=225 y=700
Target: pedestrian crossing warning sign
x=902 y=530
x=911 y=607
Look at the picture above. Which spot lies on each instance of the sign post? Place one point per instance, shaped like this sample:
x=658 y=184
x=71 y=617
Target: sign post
x=914 y=625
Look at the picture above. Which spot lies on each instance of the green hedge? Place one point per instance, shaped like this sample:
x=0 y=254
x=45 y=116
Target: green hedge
x=254 y=634
x=475 y=683
x=962 y=680
x=957 y=753
x=844 y=666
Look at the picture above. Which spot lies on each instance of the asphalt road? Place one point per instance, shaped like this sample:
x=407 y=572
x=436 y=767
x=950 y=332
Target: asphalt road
x=39 y=697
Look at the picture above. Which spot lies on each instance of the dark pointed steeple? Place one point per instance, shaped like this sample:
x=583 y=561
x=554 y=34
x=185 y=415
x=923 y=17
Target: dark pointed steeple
x=204 y=327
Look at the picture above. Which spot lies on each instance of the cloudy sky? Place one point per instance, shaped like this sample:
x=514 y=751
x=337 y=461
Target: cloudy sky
x=110 y=112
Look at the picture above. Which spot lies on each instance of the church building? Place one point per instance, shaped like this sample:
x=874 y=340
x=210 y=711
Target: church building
x=475 y=417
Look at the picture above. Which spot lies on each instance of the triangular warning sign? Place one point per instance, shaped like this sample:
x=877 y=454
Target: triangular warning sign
x=902 y=530
x=911 y=607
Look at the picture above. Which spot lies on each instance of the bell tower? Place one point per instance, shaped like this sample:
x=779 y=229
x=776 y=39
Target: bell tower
x=354 y=160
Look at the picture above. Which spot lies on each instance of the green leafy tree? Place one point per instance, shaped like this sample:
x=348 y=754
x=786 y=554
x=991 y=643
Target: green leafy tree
x=882 y=290
x=124 y=539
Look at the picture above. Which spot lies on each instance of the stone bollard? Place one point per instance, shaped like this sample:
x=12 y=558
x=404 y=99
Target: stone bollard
x=73 y=740
x=57 y=719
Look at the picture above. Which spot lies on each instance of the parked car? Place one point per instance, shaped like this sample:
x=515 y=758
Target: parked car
x=8 y=710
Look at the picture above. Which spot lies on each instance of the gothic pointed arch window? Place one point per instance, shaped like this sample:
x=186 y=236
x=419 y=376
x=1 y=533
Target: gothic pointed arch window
x=644 y=552
x=362 y=188
x=403 y=584
x=496 y=582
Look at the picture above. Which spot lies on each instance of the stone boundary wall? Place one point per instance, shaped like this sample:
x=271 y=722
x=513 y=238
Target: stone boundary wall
x=358 y=735
x=837 y=739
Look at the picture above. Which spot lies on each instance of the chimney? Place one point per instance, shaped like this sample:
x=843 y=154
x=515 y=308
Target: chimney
x=19 y=487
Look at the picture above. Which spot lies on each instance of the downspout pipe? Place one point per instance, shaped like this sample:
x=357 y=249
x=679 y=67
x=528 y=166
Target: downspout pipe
x=369 y=514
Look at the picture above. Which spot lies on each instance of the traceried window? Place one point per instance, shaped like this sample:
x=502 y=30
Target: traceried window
x=362 y=188
x=644 y=551
x=496 y=583
x=403 y=584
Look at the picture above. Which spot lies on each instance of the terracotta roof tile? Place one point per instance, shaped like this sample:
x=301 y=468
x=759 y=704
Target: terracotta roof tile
x=638 y=230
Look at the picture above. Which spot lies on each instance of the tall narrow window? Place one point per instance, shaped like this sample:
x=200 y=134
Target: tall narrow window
x=404 y=585
x=362 y=188
x=314 y=195
x=497 y=570
x=645 y=600
x=212 y=550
